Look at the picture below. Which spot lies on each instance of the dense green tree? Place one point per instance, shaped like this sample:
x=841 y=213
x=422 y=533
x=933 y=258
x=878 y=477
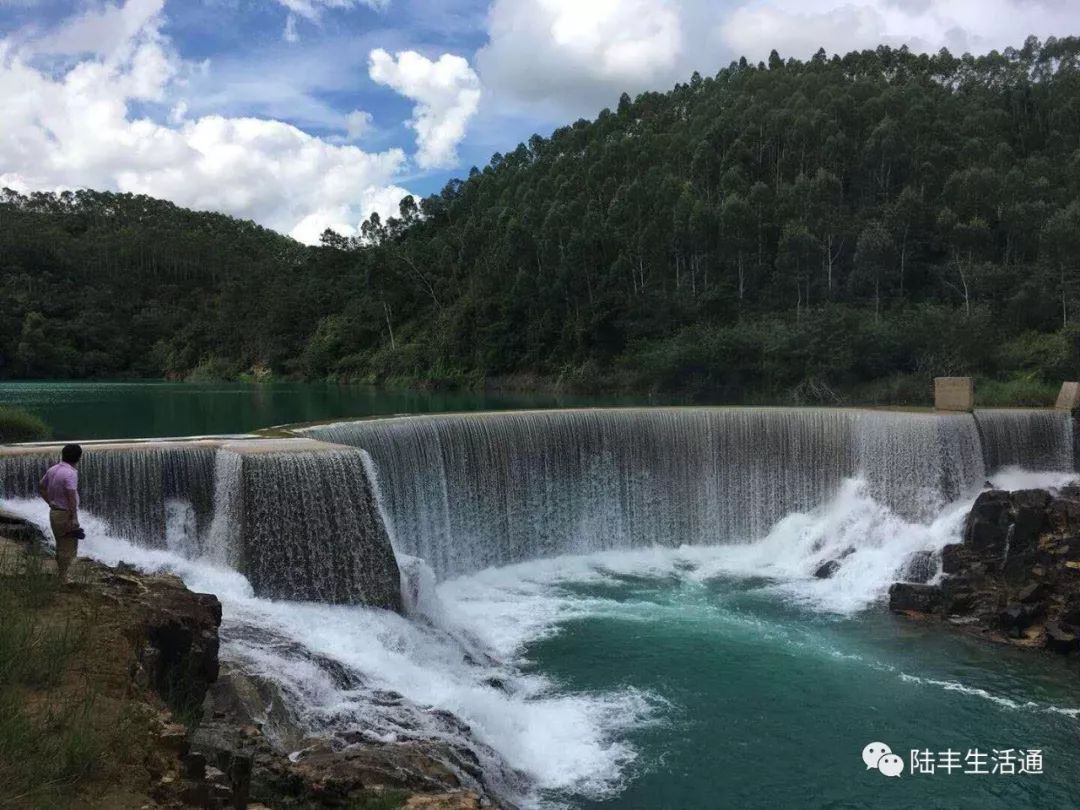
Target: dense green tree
x=795 y=228
x=1062 y=243
x=875 y=256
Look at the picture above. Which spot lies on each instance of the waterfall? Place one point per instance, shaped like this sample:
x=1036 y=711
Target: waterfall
x=300 y=519
x=308 y=525
x=133 y=488
x=468 y=491
x=1037 y=439
x=304 y=519
x=916 y=463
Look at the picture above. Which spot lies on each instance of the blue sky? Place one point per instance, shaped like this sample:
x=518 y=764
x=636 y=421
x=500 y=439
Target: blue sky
x=304 y=114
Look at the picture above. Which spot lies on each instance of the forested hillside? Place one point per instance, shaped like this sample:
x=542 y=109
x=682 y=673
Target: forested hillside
x=842 y=227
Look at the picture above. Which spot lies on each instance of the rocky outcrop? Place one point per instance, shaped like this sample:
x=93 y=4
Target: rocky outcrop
x=20 y=531
x=171 y=633
x=154 y=654
x=1016 y=575
x=907 y=597
x=250 y=742
x=149 y=652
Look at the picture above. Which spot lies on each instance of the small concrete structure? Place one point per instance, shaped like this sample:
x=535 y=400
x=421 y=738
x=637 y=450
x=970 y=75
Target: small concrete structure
x=1069 y=397
x=954 y=394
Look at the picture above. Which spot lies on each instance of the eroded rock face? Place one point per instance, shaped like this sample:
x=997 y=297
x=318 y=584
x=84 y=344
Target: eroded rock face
x=156 y=646
x=250 y=737
x=180 y=657
x=1016 y=575
x=907 y=597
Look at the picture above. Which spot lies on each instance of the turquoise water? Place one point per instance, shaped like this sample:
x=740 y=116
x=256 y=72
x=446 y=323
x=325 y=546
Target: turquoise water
x=763 y=703
x=91 y=410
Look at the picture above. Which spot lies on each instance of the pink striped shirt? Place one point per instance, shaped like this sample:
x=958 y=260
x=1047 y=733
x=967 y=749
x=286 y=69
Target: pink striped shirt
x=61 y=479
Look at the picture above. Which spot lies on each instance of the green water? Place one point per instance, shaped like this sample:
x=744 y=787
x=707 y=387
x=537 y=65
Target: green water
x=769 y=705
x=90 y=410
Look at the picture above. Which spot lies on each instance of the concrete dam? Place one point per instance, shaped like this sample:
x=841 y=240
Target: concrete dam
x=317 y=515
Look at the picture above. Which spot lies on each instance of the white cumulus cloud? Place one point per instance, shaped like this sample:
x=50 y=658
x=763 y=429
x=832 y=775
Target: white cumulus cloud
x=575 y=56
x=447 y=95
x=358 y=123
x=76 y=127
x=799 y=27
x=581 y=51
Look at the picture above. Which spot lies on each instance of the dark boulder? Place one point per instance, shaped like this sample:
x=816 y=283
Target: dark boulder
x=1063 y=514
x=1070 y=613
x=1036 y=499
x=1034 y=592
x=1018 y=617
x=1026 y=528
x=958 y=597
x=1061 y=639
x=986 y=539
x=986 y=527
x=953 y=558
x=905 y=597
x=826 y=570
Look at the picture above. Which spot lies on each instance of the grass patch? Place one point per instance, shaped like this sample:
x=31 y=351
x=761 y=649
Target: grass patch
x=53 y=736
x=17 y=425
x=383 y=800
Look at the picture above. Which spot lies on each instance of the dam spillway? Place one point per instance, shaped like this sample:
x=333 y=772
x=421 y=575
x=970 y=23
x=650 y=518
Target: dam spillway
x=318 y=515
x=299 y=518
x=468 y=491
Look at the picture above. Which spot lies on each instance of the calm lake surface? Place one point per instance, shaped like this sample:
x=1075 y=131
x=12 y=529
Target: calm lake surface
x=130 y=410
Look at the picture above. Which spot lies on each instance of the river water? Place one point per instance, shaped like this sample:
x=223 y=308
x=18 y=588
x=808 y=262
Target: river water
x=133 y=410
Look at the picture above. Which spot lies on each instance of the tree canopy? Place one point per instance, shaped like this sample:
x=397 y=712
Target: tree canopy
x=787 y=227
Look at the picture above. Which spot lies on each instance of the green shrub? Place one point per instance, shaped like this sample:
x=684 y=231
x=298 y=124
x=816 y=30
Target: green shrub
x=212 y=370
x=1050 y=356
x=20 y=426
x=1026 y=391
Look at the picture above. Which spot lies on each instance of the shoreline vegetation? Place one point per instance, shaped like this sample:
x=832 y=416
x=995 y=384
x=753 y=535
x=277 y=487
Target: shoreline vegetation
x=20 y=425
x=839 y=229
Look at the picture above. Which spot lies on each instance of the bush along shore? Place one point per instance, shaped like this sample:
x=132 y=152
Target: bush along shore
x=1015 y=578
x=112 y=694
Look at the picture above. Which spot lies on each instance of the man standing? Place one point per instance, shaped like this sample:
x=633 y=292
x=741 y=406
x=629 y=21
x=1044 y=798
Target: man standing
x=60 y=489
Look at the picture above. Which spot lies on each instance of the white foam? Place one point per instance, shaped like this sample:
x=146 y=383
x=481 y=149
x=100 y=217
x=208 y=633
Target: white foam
x=998 y=700
x=558 y=740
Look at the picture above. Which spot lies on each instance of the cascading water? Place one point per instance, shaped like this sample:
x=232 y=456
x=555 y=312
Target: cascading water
x=465 y=492
x=1040 y=440
x=308 y=526
x=132 y=487
x=298 y=518
x=916 y=463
